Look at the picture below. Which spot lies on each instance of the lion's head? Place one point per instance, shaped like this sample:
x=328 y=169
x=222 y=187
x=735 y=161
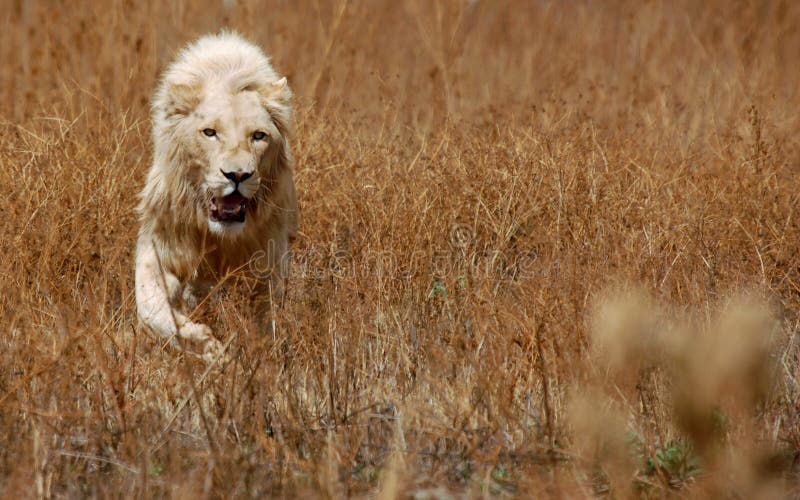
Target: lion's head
x=220 y=122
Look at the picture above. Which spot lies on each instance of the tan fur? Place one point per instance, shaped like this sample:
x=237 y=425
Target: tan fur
x=226 y=84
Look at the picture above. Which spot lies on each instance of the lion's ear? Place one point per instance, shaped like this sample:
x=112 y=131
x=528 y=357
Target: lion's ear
x=278 y=89
x=280 y=84
x=181 y=99
x=275 y=97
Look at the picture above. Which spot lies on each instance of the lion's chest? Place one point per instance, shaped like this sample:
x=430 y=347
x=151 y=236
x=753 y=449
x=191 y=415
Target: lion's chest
x=219 y=263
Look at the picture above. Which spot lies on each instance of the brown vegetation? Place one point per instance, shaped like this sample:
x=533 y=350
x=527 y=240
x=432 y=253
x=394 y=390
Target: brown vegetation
x=546 y=248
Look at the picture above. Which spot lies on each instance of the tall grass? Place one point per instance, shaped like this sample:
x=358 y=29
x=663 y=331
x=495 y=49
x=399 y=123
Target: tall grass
x=526 y=228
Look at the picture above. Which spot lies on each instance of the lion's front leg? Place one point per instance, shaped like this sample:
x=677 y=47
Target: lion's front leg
x=156 y=291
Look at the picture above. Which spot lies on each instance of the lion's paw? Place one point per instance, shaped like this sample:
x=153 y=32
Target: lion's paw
x=196 y=332
x=214 y=350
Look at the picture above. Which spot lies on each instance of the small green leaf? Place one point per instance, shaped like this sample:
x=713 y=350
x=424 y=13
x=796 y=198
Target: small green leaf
x=438 y=290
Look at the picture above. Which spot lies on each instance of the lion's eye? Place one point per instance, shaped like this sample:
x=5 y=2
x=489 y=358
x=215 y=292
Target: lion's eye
x=209 y=132
x=259 y=136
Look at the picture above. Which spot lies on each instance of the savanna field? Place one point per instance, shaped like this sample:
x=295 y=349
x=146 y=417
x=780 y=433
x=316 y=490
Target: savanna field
x=547 y=249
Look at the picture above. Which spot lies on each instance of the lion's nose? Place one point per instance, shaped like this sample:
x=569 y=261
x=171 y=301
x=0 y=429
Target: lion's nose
x=237 y=176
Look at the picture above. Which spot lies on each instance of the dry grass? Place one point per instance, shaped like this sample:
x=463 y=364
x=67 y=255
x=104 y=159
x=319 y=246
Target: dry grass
x=473 y=178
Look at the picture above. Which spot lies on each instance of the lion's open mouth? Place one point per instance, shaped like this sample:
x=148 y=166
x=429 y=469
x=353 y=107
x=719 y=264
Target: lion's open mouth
x=230 y=208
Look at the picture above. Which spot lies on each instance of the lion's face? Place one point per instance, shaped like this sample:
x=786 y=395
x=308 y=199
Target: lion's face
x=232 y=133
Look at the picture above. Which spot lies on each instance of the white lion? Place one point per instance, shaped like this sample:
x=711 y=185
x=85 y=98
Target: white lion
x=219 y=193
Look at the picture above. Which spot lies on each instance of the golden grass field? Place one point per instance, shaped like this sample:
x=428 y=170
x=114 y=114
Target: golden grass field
x=547 y=249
